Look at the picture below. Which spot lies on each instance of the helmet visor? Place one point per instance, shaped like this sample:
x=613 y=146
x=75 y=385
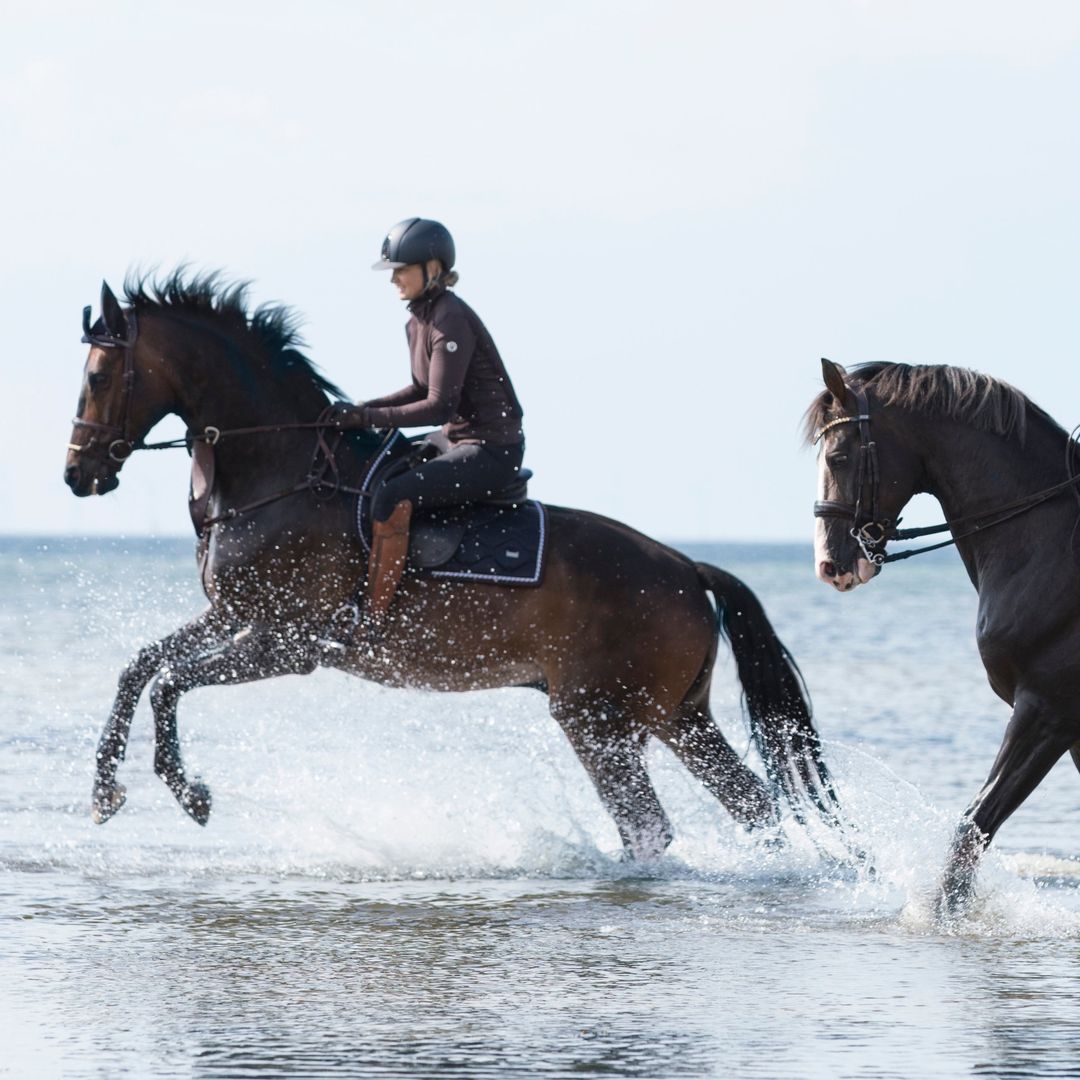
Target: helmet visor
x=386 y=264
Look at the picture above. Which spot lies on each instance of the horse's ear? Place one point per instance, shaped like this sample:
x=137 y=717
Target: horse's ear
x=112 y=313
x=834 y=379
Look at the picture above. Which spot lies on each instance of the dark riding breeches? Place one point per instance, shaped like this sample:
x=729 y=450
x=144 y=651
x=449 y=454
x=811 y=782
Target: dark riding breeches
x=467 y=472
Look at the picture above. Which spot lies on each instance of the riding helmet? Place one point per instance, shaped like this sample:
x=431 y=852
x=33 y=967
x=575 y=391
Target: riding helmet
x=415 y=240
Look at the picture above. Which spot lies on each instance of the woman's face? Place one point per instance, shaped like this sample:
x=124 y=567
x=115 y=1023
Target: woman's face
x=409 y=281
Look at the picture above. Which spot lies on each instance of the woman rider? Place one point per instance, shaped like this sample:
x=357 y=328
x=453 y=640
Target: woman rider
x=458 y=381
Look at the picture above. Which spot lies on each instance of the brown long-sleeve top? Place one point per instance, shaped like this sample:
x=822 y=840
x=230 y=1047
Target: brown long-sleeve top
x=458 y=378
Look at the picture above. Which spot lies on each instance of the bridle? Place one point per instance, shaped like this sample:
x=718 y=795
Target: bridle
x=323 y=479
x=121 y=445
x=872 y=532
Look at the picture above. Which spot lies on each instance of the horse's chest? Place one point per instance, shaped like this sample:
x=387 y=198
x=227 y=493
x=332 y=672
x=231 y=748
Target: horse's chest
x=279 y=580
x=1008 y=631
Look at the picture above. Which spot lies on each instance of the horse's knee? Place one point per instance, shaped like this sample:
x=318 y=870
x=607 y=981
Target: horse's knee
x=138 y=670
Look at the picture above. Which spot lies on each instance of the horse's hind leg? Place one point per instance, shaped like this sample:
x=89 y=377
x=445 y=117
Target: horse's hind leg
x=694 y=738
x=201 y=633
x=610 y=747
x=252 y=655
x=1035 y=739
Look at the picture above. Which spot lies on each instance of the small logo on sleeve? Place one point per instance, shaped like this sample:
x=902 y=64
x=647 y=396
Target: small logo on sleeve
x=451 y=346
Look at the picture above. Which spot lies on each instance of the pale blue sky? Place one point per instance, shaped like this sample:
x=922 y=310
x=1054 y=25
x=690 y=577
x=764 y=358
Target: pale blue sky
x=665 y=213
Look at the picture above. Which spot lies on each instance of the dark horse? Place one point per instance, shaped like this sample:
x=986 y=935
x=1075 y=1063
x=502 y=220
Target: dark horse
x=1005 y=474
x=620 y=633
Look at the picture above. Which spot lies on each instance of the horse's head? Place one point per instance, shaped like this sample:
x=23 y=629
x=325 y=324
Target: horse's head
x=117 y=404
x=866 y=475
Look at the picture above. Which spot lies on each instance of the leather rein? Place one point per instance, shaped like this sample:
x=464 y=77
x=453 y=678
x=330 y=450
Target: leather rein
x=872 y=532
x=323 y=479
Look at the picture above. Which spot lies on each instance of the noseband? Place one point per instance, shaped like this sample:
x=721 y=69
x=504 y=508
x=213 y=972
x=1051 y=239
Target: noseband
x=869 y=530
x=120 y=443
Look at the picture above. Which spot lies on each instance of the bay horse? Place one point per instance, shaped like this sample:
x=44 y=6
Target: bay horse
x=1007 y=478
x=620 y=634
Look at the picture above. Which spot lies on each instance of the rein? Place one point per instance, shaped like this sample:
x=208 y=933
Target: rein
x=874 y=532
x=323 y=479
x=213 y=435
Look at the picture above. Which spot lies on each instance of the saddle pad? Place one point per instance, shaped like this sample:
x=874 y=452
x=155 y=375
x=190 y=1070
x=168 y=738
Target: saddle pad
x=502 y=544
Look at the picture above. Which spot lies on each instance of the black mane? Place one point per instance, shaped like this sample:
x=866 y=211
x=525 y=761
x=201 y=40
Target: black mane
x=954 y=393
x=272 y=330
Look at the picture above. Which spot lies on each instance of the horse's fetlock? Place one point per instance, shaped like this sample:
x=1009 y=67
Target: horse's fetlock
x=166 y=765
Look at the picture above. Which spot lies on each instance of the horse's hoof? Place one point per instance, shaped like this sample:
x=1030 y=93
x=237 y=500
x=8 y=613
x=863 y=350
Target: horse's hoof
x=106 y=801
x=196 y=801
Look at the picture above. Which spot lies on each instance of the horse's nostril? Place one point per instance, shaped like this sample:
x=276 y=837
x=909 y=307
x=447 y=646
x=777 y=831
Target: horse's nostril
x=828 y=569
x=71 y=475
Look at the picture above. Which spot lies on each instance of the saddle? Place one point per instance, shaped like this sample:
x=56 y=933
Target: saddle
x=499 y=540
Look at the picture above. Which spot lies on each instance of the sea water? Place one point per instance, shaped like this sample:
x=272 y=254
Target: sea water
x=402 y=883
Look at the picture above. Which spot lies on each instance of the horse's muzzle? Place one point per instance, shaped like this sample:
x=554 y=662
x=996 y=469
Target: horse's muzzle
x=90 y=481
x=846 y=578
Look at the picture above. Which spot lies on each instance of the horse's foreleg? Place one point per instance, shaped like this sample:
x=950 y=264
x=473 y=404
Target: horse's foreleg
x=201 y=633
x=610 y=748
x=252 y=655
x=1035 y=739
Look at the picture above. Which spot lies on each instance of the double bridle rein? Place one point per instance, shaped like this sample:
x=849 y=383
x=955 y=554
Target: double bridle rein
x=872 y=532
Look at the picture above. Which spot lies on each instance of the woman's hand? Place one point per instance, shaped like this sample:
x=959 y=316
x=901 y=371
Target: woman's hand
x=344 y=415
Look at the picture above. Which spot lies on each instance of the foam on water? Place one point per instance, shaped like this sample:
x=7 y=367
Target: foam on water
x=330 y=779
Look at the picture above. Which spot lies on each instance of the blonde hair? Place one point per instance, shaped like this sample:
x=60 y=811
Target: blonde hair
x=445 y=280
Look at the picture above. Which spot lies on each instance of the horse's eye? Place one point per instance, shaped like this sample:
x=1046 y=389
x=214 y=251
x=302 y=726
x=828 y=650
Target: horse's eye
x=836 y=460
x=97 y=380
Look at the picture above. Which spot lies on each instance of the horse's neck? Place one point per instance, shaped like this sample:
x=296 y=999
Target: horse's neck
x=973 y=474
x=221 y=389
x=222 y=392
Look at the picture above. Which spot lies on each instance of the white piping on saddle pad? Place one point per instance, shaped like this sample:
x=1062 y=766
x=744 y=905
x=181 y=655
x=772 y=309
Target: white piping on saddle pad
x=503 y=578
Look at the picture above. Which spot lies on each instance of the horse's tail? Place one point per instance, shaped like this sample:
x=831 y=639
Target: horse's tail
x=774 y=694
